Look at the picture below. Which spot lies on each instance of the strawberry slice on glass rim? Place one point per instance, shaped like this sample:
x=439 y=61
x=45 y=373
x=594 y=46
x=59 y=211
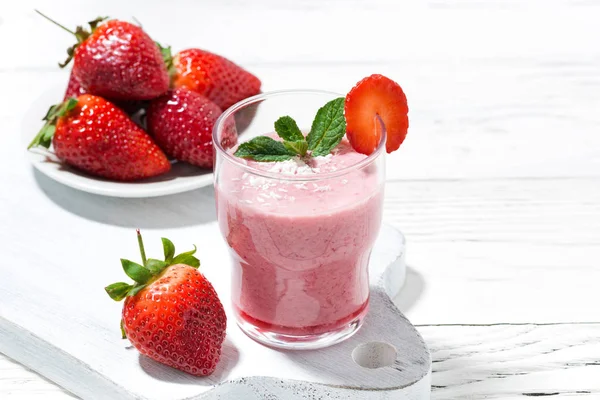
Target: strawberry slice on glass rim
x=372 y=97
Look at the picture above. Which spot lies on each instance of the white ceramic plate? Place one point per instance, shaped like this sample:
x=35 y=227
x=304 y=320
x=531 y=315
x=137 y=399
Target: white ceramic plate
x=181 y=178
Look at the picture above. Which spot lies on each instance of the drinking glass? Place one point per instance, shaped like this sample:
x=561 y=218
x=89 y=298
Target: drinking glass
x=300 y=240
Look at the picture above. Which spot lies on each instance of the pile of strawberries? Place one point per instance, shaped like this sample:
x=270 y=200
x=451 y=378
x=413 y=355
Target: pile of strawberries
x=120 y=75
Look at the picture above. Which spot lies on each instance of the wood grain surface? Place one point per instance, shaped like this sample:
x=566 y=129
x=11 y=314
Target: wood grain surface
x=497 y=187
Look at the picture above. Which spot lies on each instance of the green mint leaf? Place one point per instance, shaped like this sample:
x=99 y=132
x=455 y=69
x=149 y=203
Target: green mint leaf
x=299 y=146
x=135 y=271
x=156 y=266
x=168 y=249
x=288 y=130
x=328 y=128
x=263 y=148
x=118 y=291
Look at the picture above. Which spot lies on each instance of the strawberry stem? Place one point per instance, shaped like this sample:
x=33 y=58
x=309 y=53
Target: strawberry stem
x=80 y=34
x=123 y=334
x=141 y=244
x=56 y=23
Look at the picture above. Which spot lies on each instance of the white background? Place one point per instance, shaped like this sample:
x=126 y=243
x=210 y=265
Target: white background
x=497 y=187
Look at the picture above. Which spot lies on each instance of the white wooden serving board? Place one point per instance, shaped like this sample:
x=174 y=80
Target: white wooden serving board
x=56 y=319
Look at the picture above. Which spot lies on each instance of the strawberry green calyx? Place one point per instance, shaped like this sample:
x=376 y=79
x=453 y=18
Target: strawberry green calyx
x=150 y=269
x=167 y=56
x=80 y=34
x=44 y=136
x=141 y=246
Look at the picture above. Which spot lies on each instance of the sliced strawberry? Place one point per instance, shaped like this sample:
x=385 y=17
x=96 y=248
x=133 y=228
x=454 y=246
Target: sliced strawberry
x=372 y=96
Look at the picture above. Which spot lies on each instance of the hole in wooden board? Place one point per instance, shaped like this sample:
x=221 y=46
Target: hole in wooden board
x=374 y=355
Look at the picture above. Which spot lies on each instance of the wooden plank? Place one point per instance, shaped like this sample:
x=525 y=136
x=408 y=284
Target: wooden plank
x=499 y=250
x=20 y=383
x=515 y=361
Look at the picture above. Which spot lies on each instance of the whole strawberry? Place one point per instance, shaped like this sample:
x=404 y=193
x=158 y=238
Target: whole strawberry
x=172 y=314
x=74 y=88
x=182 y=121
x=131 y=107
x=117 y=60
x=213 y=76
x=94 y=135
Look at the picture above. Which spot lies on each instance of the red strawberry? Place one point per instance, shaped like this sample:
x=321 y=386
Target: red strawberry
x=213 y=76
x=172 y=314
x=95 y=136
x=182 y=121
x=74 y=88
x=376 y=95
x=132 y=108
x=118 y=60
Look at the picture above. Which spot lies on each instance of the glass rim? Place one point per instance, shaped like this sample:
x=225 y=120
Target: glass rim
x=275 y=175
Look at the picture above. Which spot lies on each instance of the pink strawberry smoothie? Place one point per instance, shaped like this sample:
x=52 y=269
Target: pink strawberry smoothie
x=301 y=247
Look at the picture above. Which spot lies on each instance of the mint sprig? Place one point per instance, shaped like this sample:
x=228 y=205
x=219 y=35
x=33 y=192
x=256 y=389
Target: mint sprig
x=328 y=129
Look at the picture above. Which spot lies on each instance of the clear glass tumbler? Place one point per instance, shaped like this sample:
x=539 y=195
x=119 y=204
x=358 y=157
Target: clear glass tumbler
x=300 y=233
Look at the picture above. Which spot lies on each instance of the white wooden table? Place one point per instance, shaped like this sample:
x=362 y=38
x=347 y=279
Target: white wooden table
x=497 y=187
